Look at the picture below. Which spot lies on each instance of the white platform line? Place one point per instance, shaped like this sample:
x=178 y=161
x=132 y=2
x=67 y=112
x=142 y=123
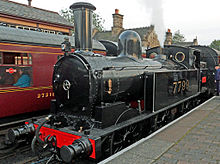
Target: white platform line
x=153 y=134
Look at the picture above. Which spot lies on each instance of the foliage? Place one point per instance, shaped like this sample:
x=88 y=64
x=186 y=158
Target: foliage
x=98 y=22
x=97 y=19
x=215 y=44
x=178 y=37
x=68 y=15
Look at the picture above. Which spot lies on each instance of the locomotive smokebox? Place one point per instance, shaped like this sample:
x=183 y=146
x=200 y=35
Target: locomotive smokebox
x=83 y=25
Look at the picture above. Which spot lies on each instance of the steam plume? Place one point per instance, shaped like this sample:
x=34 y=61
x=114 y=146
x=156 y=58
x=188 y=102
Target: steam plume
x=156 y=11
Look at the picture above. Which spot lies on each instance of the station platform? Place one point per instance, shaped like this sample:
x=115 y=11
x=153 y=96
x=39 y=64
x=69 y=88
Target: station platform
x=193 y=139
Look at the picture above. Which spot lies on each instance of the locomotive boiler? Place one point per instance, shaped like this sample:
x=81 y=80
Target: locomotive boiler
x=84 y=80
x=104 y=104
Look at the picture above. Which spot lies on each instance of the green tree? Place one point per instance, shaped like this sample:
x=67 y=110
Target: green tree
x=68 y=15
x=178 y=37
x=97 y=19
x=215 y=44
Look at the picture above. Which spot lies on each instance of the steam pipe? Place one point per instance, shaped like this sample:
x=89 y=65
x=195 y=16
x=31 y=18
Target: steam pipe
x=83 y=25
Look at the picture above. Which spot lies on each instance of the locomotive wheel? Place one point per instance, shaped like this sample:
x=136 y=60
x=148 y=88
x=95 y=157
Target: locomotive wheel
x=154 y=123
x=124 y=137
x=186 y=106
x=172 y=114
x=181 y=109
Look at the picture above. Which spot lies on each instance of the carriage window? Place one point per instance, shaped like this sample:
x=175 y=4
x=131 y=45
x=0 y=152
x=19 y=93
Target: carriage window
x=17 y=58
x=0 y=58
x=8 y=59
x=15 y=76
x=15 y=69
x=25 y=59
x=30 y=59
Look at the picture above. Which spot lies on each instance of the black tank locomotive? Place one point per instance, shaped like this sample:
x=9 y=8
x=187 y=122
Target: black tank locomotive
x=106 y=103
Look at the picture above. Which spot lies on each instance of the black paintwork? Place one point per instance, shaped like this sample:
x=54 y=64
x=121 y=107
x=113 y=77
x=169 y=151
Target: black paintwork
x=166 y=82
x=83 y=25
x=89 y=78
x=210 y=57
x=173 y=53
x=111 y=47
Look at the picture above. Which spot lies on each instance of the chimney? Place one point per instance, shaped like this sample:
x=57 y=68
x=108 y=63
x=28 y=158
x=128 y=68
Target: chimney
x=117 y=23
x=83 y=24
x=195 y=41
x=168 y=40
x=29 y=2
x=116 y=11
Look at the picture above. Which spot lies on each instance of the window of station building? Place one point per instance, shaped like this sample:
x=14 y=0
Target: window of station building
x=26 y=28
x=12 y=26
x=20 y=27
x=46 y=31
x=33 y=29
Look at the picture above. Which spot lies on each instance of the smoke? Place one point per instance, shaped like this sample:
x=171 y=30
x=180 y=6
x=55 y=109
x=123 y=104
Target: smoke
x=155 y=9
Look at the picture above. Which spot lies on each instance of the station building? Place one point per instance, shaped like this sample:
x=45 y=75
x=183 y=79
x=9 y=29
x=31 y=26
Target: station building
x=148 y=35
x=27 y=17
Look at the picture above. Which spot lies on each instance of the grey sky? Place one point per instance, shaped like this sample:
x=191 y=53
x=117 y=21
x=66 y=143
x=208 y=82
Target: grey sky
x=193 y=18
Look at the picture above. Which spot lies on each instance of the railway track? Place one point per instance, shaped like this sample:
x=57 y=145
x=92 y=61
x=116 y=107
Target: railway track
x=12 y=124
x=15 y=152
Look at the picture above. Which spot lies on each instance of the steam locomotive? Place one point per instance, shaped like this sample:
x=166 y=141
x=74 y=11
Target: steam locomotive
x=103 y=104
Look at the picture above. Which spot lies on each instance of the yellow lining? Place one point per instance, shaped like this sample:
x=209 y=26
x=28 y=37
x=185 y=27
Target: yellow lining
x=31 y=52
x=22 y=45
x=24 y=89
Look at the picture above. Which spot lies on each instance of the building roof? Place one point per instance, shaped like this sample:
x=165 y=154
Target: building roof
x=143 y=30
x=107 y=35
x=32 y=13
x=184 y=44
x=8 y=34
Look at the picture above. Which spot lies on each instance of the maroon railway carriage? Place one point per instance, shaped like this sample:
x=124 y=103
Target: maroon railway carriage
x=36 y=53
